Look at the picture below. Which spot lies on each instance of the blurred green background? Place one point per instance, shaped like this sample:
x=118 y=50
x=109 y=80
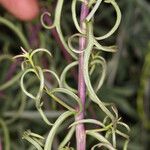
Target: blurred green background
x=127 y=82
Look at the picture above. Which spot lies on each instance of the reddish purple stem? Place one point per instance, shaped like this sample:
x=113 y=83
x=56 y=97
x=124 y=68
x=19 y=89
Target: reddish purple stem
x=12 y=69
x=33 y=35
x=80 y=129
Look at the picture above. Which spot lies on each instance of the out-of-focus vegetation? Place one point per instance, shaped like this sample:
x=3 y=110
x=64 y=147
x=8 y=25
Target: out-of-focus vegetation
x=127 y=83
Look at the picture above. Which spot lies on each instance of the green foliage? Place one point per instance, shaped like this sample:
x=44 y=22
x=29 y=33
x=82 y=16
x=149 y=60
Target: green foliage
x=55 y=101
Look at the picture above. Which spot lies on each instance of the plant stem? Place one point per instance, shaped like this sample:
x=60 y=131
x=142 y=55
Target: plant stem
x=80 y=129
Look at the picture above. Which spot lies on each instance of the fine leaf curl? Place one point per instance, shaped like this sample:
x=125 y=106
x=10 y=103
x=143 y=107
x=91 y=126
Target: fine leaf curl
x=69 y=93
x=46 y=14
x=100 y=145
x=57 y=20
x=117 y=23
x=54 y=74
x=63 y=82
x=70 y=39
x=100 y=60
x=53 y=131
x=74 y=16
x=100 y=138
x=87 y=54
x=67 y=138
x=32 y=141
x=41 y=87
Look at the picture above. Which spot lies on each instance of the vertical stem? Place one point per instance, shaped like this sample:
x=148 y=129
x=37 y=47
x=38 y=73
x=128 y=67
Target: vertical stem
x=80 y=129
